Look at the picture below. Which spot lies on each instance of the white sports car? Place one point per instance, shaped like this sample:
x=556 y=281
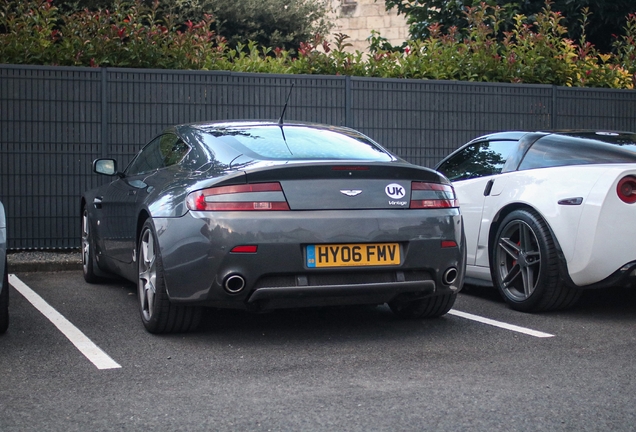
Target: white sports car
x=547 y=214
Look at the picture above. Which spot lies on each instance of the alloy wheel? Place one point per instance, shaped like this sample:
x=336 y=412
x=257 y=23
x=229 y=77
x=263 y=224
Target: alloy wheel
x=147 y=274
x=518 y=260
x=86 y=244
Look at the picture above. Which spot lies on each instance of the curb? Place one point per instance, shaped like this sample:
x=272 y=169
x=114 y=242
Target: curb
x=43 y=261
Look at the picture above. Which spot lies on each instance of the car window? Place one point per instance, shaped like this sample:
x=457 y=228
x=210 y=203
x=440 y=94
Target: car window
x=297 y=142
x=480 y=159
x=161 y=152
x=560 y=150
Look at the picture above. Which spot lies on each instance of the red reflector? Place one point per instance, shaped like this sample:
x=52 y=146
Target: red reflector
x=449 y=244
x=244 y=249
x=626 y=189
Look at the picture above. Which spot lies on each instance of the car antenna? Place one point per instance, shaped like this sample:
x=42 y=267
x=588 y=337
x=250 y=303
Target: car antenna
x=282 y=116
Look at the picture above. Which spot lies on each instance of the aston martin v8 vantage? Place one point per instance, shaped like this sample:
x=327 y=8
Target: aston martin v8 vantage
x=265 y=215
x=547 y=214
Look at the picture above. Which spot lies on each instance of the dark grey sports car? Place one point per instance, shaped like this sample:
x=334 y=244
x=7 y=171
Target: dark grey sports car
x=261 y=215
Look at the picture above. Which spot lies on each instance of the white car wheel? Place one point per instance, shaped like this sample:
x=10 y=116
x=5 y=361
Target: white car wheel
x=525 y=265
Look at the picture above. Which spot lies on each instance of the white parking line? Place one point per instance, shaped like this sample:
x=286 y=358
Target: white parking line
x=92 y=352
x=500 y=324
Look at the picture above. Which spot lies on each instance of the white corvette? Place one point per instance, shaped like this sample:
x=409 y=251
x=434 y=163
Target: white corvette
x=547 y=214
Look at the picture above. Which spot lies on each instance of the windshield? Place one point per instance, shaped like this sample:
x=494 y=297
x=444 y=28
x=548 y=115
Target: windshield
x=297 y=142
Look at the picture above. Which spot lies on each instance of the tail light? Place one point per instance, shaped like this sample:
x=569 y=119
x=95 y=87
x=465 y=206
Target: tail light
x=432 y=196
x=245 y=197
x=626 y=189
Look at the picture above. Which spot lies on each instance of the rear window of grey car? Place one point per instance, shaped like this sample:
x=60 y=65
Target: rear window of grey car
x=560 y=150
x=298 y=142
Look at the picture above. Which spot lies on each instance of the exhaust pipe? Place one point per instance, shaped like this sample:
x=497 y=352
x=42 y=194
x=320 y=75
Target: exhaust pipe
x=234 y=283
x=449 y=276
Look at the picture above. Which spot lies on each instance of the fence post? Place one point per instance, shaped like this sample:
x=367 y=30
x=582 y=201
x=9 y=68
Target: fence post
x=104 y=143
x=553 y=110
x=348 y=119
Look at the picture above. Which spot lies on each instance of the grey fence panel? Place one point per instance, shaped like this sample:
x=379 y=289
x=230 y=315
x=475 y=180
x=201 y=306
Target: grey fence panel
x=54 y=121
x=422 y=121
x=312 y=98
x=595 y=109
x=141 y=104
x=49 y=133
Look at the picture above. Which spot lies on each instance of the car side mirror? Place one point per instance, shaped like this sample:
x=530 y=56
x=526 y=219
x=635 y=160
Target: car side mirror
x=105 y=166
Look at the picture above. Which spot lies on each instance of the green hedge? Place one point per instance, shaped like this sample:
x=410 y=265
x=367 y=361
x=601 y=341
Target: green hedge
x=135 y=35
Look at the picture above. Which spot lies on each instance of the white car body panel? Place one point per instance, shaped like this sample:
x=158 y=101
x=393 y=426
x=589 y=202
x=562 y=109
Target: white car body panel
x=595 y=237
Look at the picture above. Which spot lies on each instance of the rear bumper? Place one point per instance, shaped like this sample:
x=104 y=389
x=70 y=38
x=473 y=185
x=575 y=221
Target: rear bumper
x=197 y=261
x=623 y=277
x=324 y=295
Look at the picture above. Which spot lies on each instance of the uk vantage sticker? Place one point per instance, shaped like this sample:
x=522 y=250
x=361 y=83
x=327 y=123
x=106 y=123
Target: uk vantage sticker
x=397 y=193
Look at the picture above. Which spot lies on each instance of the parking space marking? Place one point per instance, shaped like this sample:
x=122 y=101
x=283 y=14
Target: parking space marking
x=500 y=324
x=91 y=351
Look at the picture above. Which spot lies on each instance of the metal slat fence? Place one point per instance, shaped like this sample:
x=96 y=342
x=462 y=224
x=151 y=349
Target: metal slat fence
x=55 y=120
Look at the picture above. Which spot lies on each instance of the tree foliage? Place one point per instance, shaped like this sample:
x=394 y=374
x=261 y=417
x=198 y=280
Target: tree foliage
x=281 y=23
x=603 y=19
x=133 y=35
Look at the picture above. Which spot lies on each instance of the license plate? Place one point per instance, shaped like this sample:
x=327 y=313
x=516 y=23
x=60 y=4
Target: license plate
x=353 y=255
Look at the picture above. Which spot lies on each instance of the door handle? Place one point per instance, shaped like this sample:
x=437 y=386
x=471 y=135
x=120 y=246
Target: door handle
x=488 y=187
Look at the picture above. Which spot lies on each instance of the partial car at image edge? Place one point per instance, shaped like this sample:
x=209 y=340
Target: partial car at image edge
x=259 y=215
x=4 y=273
x=547 y=214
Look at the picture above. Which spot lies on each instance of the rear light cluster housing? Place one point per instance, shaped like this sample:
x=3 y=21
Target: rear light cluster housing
x=626 y=189
x=245 y=197
x=437 y=196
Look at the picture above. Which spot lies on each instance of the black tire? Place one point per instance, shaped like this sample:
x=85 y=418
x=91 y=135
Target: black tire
x=88 y=250
x=524 y=265
x=4 y=301
x=429 y=307
x=158 y=314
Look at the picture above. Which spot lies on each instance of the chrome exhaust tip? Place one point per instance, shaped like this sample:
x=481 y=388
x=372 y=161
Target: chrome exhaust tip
x=234 y=283
x=450 y=276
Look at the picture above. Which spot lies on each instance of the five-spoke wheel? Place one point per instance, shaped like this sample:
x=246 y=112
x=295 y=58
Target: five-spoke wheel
x=525 y=267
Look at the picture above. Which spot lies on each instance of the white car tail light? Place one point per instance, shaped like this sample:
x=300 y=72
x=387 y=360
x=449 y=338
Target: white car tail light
x=626 y=189
x=432 y=196
x=246 y=197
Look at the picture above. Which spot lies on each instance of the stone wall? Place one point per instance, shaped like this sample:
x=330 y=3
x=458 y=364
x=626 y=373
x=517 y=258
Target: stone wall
x=356 y=18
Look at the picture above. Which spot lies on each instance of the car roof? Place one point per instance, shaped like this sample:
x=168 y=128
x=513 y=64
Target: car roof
x=607 y=136
x=208 y=125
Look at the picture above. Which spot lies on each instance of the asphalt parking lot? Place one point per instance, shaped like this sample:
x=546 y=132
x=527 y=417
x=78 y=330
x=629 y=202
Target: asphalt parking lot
x=76 y=357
